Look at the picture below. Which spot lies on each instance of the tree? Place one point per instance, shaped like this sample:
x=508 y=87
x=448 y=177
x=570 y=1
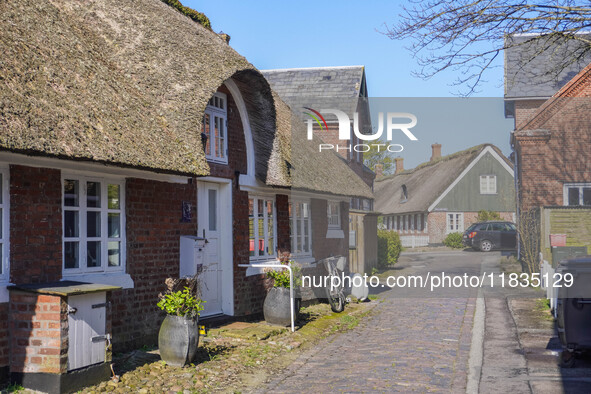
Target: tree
x=379 y=155
x=467 y=36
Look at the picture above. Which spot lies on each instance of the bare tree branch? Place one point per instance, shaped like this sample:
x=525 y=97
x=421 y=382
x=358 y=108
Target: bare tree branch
x=466 y=36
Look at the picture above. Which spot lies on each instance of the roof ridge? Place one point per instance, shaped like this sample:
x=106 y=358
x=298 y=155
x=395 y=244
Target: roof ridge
x=471 y=150
x=313 y=68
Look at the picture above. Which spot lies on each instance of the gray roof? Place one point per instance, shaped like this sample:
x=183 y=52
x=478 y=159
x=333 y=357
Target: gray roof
x=424 y=184
x=537 y=67
x=319 y=87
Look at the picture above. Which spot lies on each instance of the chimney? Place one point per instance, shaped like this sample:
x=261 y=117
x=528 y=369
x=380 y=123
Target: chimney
x=436 y=149
x=379 y=170
x=399 y=165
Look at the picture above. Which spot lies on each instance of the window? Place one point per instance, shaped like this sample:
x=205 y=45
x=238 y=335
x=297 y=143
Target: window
x=334 y=214
x=488 y=184
x=577 y=194
x=455 y=222
x=261 y=228
x=300 y=228
x=93 y=227
x=215 y=126
x=4 y=225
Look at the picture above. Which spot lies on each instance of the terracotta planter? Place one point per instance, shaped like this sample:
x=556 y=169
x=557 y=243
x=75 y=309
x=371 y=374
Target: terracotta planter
x=178 y=340
x=276 y=306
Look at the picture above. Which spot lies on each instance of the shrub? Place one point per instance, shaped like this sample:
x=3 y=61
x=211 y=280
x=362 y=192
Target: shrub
x=181 y=303
x=484 y=215
x=454 y=240
x=281 y=277
x=389 y=247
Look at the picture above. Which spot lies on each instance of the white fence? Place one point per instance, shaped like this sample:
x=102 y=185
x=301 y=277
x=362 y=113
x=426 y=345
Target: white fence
x=412 y=241
x=547 y=271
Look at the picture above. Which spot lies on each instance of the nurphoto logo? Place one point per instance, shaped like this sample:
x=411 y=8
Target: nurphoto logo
x=392 y=124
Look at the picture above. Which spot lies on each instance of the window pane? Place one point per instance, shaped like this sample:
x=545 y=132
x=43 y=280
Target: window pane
x=212 y=209
x=1 y=193
x=114 y=225
x=586 y=196
x=1 y=259
x=93 y=194
x=93 y=224
x=71 y=255
x=114 y=250
x=113 y=196
x=251 y=226
x=71 y=224
x=261 y=226
x=206 y=130
x=1 y=233
x=573 y=196
x=270 y=229
x=306 y=235
x=71 y=193
x=93 y=254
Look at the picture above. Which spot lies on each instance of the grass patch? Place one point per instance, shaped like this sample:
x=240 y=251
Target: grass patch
x=542 y=307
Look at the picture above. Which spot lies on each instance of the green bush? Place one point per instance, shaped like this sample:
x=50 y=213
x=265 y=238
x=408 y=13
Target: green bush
x=389 y=247
x=454 y=240
x=181 y=303
x=191 y=13
x=484 y=215
x=281 y=277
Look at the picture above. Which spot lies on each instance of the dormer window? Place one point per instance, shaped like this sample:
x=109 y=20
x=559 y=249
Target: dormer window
x=404 y=194
x=215 y=128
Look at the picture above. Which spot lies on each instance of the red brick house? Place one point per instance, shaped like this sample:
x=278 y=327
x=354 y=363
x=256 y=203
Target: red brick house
x=444 y=195
x=124 y=127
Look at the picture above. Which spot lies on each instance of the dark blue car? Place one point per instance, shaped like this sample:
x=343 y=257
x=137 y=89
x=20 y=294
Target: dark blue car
x=486 y=236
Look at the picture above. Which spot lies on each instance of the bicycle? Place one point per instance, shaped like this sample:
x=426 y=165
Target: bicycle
x=335 y=266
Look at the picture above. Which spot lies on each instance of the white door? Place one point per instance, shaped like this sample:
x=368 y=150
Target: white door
x=209 y=221
x=87 y=330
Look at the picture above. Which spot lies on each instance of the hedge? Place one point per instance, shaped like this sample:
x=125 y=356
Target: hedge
x=389 y=247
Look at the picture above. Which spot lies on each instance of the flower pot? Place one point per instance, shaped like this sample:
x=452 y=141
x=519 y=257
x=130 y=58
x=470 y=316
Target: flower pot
x=276 y=306
x=178 y=339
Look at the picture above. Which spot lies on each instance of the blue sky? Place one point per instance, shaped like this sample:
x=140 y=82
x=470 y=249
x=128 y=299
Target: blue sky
x=285 y=34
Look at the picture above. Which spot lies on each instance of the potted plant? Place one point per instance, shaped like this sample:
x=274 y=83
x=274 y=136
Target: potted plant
x=179 y=333
x=277 y=303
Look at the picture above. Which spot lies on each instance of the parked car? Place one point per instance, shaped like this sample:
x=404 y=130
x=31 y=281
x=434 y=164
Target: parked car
x=486 y=236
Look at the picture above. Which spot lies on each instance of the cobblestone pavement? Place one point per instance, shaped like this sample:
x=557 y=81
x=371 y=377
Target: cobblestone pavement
x=409 y=345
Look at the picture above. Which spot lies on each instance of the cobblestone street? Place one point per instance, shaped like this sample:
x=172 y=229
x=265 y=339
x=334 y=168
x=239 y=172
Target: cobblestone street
x=409 y=345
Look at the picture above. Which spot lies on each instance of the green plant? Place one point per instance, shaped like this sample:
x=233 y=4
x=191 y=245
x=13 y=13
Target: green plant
x=454 y=240
x=281 y=277
x=389 y=248
x=191 y=13
x=181 y=303
x=484 y=215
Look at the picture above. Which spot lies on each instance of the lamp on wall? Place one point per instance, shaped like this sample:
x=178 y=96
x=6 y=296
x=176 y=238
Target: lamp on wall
x=204 y=140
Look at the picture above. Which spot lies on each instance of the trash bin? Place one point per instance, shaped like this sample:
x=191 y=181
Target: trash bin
x=573 y=308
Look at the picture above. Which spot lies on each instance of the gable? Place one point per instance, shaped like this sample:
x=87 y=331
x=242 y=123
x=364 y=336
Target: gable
x=464 y=194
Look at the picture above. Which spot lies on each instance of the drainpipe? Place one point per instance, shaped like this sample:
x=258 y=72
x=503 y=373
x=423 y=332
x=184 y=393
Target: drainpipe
x=516 y=183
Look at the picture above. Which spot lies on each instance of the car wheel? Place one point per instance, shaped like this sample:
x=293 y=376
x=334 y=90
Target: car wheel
x=485 y=245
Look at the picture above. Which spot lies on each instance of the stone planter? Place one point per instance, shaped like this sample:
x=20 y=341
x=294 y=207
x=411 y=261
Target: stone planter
x=276 y=306
x=178 y=340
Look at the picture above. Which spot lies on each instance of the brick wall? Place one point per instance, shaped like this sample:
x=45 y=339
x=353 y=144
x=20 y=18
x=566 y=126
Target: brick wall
x=154 y=227
x=549 y=160
x=4 y=341
x=525 y=109
x=323 y=247
x=35 y=225
x=38 y=332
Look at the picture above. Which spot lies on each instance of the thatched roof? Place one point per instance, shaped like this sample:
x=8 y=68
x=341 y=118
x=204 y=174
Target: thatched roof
x=424 y=183
x=127 y=82
x=123 y=82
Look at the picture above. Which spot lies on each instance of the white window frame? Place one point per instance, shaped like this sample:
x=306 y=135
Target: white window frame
x=216 y=110
x=330 y=214
x=293 y=234
x=257 y=238
x=5 y=235
x=490 y=184
x=82 y=239
x=580 y=186
x=458 y=217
